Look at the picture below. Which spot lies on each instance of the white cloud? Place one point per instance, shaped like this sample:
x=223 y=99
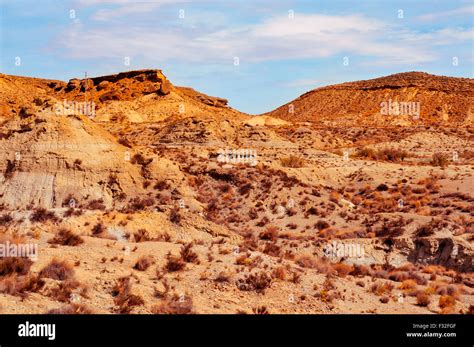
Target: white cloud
x=278 y=38
x=461 y=11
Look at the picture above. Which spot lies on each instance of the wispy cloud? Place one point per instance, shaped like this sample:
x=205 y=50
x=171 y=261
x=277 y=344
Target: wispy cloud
x=461 y=11
x=277 y=38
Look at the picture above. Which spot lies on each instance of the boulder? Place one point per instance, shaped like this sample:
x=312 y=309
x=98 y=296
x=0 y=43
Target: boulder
x=86 y=85
x=112 y=95
x=73 y=84
x=165 y=87
x=103 y=85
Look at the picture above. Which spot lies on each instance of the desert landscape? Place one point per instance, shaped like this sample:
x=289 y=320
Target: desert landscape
x=139 y=196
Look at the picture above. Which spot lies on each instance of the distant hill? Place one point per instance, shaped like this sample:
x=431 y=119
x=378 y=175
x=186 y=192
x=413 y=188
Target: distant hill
x=439 y=99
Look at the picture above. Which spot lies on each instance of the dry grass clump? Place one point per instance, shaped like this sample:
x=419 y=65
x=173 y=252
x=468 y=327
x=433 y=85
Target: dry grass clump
x=381 y=288
x=293 y=161
x=20 y=285
x=66 y=237
x=144 y=262
x=142 y=235
x=64 y=290
x=123 y=297
x=423 y=299
x=255 y=282
x=41 y=215
x=188 y=255
x=71 y=309
x=57 y=270
x=385 y=154
x=439 y=159
x=15 y=265
x=260 y=310
x=176 y=304
x=270 y=233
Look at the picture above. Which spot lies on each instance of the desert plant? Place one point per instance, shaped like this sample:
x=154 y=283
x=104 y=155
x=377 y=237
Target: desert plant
x=439 y=159
x=57 y=270
x=143 y=263
x=293 y=161
x=174 y=305
x=66 y=237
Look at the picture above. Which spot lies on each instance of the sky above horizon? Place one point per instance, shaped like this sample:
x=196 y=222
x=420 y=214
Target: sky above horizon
x=259 y=54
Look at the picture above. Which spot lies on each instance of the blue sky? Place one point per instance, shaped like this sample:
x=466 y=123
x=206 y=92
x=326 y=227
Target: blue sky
x=283 y=48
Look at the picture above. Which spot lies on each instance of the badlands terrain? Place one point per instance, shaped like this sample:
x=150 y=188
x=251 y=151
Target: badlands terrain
x=145 y=197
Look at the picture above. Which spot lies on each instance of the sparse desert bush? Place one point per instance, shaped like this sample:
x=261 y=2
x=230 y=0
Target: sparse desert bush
x=175 y=305
x=66 y=237
x=97 y=204
x=293 y=161
x=270 y=233
x=175 y=216
x=57 y=270
x=20 y=285
x=143 y=263
x=174 y=264
x=99 y=230
x=123 y=297
x=321 y=224
x=5 y=219
x=71 y=309
x=15 y=265
x=142 y=235
x=446 y=301
x=41 y=215
x=423 y=299
x=381 y=288
x=343 y=269
x=260 y=310
x=254 y=282
x=10 y=169
x=408 y=284
x=439 y=159
x=188 y=255
x=385 y=154
x=64 y=290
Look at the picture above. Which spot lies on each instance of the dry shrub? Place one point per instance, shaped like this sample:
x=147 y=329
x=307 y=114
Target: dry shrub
x=123 y=297
x=64 y=290
x=312 y=262
x=446 y=301
x=19 y=285
x=439 y=159
x=15 y=265
x=255 y=282
x=175 y=216
x=174 y=305
x=143 y=263
x=174 y=264
x=223 y=277
x=385 y=154
x=57 y=270
x=5 y=219
x=41 y=215
x=71 y=309
x=279 y=273
x=343 y=269
x=142 y=235
x=381 y=288
x=188 y=255
x=66 y=237
x=260 y=310
x=408 y=285
x=270 y=233
x=97 y=204
x=293 y=161
x=423 y=299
